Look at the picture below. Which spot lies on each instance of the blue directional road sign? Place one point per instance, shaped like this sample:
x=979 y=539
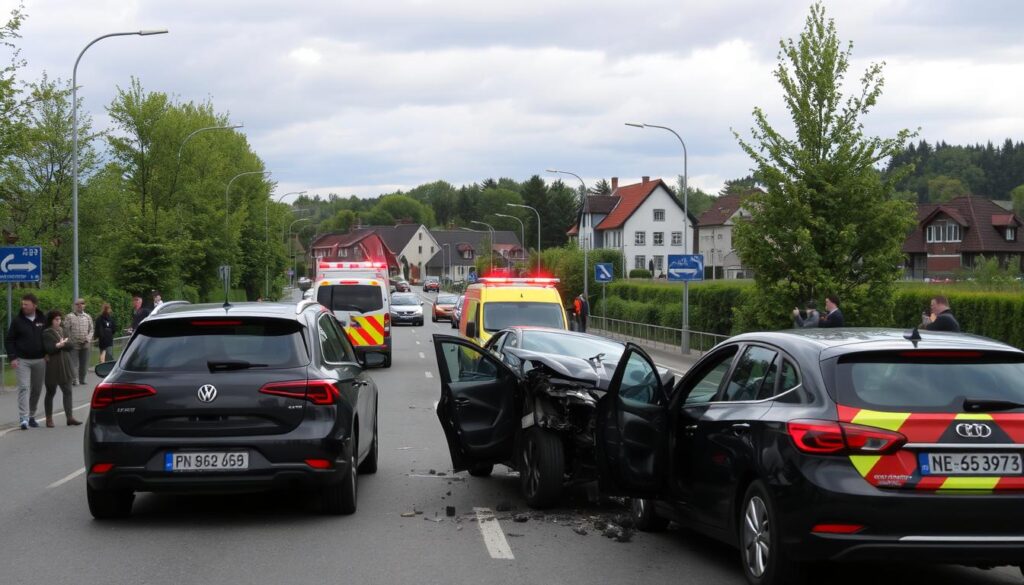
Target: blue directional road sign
x=686 y=267
x=471 y=277
x=21 y=264
x=603 y=272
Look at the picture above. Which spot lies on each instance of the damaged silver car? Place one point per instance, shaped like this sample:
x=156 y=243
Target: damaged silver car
x=528 y=400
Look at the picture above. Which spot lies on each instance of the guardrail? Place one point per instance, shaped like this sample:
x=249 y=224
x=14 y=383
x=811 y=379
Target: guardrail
x=659 y=336
x=118 y=348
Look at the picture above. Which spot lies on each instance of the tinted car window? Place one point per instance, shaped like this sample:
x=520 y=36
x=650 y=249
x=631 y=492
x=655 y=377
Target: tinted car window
x=405 y=299
x=639 y=381
x=704 y=388
x=572 y=345
x=188 y=344
x=498 y=316
x=754 y=369
x=363 y=298
x=331 y=346
x=466 y=364
x=446 y=299
x=893 y=381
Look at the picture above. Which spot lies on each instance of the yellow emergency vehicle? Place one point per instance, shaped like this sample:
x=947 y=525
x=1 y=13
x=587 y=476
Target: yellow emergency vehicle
x=358 y=295
x=495 y=303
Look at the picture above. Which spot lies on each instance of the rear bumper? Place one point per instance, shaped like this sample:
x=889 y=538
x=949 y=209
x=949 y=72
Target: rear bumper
x=279 y=477
x=958 y=551
x=384 y=348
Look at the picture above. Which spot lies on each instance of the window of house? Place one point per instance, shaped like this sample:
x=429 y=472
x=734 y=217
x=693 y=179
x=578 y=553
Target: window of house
x=659 y=238
x=952 y=232
x=659 y=264
x=640 y=238
x=1011 y=234
x=659 y=215
x=431 y=249
x=640 y=262
x=421 y=249
x=420 y=236
x=935 y=233
x=343 y=253
x=677 y=238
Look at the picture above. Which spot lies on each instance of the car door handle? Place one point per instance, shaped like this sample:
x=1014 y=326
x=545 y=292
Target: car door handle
x=690 y=430
x=461 y=402
x=741 y=427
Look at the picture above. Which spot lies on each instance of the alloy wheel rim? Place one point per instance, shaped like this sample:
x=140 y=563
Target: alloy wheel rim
x=756 y=536
x=639 y=507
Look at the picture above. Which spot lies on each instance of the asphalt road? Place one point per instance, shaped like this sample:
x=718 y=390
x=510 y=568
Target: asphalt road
x=47 y=535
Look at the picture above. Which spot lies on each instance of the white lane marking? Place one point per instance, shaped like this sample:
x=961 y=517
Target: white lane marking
x=4 y=432
x=494 y=537
x=63 y=481
x=417 y=342
x=429 y=375
x=422 y=356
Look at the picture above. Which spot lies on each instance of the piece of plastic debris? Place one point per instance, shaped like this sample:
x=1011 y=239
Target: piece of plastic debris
x=520 y=518
x=408 y=514
x=449 y=511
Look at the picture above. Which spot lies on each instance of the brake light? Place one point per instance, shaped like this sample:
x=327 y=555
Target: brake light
x=208 y=323
x=102 y=467
x=387 y=324
x=508 y=280
x=321 y=392
x=837 y=528
x=353 y=265
x=106 y=394
x=319 y=463
x=940 y=354
x=348 y=282
x=833 y=438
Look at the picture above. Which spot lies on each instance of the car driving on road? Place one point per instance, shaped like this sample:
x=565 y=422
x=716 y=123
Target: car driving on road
x=406 y=308
x=443 y=307
x=457 y=311
x=827 y=445
x=526 y=400
x=232 y=398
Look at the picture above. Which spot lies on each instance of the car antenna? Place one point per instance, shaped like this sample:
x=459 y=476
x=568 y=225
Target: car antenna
x=913 y=337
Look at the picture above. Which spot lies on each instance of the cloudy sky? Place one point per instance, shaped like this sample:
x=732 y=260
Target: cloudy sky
x=358 y=97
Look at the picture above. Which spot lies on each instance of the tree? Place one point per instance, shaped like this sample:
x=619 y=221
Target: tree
x=601 y=187
x=1017 y=195
x=828 y=222
x=943 y=188
x=405 y=208
x=11 y=107
x=700 y=201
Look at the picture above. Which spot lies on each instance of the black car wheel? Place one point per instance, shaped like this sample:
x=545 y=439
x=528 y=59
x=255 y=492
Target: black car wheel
x=387 y=360
x=434 y=318
x=481 y=469
x=645 y=517
x=455 y=324
x=542 y=467
x=761 y=556
x=109 y=504
x=340 y=498
x=369 y=465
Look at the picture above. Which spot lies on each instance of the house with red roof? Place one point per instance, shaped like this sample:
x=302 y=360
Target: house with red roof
x=645 y=221
x=714 y=230
x=958 y=233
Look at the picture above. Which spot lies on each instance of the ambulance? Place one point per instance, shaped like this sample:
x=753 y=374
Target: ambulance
x=358 y=295
x=497 y=302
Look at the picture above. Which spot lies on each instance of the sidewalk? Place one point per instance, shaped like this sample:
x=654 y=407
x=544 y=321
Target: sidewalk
x=674 y=360
x=82 y=395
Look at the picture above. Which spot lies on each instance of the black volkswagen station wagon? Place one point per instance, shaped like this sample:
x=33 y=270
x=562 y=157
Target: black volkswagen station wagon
x=232 y=398
x=821 y=445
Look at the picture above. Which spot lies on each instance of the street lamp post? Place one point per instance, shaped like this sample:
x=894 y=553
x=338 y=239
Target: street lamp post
x=584 y=241
x=295 y=262
x=74 y=143
x=490 y=253
x=266 y=235
x=522 y=227
x=533 y=209
x=686 y=243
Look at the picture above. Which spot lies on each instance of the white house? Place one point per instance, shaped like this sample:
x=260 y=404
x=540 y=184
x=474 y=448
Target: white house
x=715 y=238
x=413 y=245
x=645 y=221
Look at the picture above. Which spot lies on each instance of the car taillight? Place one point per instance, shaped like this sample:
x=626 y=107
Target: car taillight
x=837 y=528
x=102 y=467
x=106 y=394
x=320 y=392
x=387 y=324
x=823 y=437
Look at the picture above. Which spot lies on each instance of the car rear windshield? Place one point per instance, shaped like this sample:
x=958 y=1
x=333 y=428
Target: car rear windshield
x=928 y=381
x=498 y=316
x=446 y=299
x=190 y=344
x=362 y=298
x=572 y=345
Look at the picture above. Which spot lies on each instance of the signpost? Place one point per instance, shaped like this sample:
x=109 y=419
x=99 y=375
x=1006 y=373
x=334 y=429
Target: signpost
x=603 y=273
x=20 y=264
x=686 y=268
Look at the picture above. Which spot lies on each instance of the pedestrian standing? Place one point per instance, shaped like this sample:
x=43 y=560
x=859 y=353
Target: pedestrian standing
x=812 y=317
x=139 y=313
x=833 y=316
x=105 y=328
x=24 y=344
x=941 y=316
x=59 y=371
x=79 y=328
x=582 y=312
x=157 y=299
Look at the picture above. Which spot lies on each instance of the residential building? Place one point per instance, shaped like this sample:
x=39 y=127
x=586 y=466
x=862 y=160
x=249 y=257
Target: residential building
x=714 y=230
x=645 y=221
x=956 y=234
x=459 y=249
x=358 y=245
x=410 y=243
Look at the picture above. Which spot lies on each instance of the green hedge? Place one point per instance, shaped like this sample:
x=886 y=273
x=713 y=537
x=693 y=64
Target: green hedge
x=639 y=273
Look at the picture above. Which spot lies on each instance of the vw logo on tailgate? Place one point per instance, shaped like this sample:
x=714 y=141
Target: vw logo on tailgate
x=207 y=393
x=974 y=430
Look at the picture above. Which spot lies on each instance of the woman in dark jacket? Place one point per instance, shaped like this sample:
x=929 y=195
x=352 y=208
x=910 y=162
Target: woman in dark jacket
x=105 y=327
x=58 y=367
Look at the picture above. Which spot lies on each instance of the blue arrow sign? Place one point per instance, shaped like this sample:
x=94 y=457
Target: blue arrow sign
x=21 y=264
x=603 y=272
x=686 y=267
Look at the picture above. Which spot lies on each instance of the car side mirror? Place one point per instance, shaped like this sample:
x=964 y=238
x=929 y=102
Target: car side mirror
x=421 y=303
x=471 y=329
x=104 y=369
x=373 y=359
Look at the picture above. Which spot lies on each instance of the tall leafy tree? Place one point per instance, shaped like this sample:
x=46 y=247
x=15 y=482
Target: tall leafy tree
x=828 y=222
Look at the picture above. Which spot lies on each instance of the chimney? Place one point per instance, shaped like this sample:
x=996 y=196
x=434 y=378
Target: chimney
x=615 y=183
x=645 y=179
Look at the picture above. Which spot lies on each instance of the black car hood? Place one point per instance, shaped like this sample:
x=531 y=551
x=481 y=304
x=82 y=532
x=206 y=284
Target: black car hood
x=594 y=373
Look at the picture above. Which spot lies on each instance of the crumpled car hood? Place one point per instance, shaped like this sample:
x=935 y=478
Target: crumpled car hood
x=595 y=374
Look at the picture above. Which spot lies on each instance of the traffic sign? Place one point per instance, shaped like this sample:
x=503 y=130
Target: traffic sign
x=21 y=264
x=471 y=277
x=686 y=267
x=603 y=272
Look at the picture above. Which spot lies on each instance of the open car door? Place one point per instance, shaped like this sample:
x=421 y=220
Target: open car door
x=477 y=408
x=632 y=429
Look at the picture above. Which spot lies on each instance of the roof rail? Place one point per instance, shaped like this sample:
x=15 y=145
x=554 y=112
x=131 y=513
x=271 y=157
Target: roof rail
x=157 y=309
x=303 y=304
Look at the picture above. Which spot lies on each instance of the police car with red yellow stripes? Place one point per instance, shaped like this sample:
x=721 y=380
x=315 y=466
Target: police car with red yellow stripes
x=827 y=445
x=358 y=295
